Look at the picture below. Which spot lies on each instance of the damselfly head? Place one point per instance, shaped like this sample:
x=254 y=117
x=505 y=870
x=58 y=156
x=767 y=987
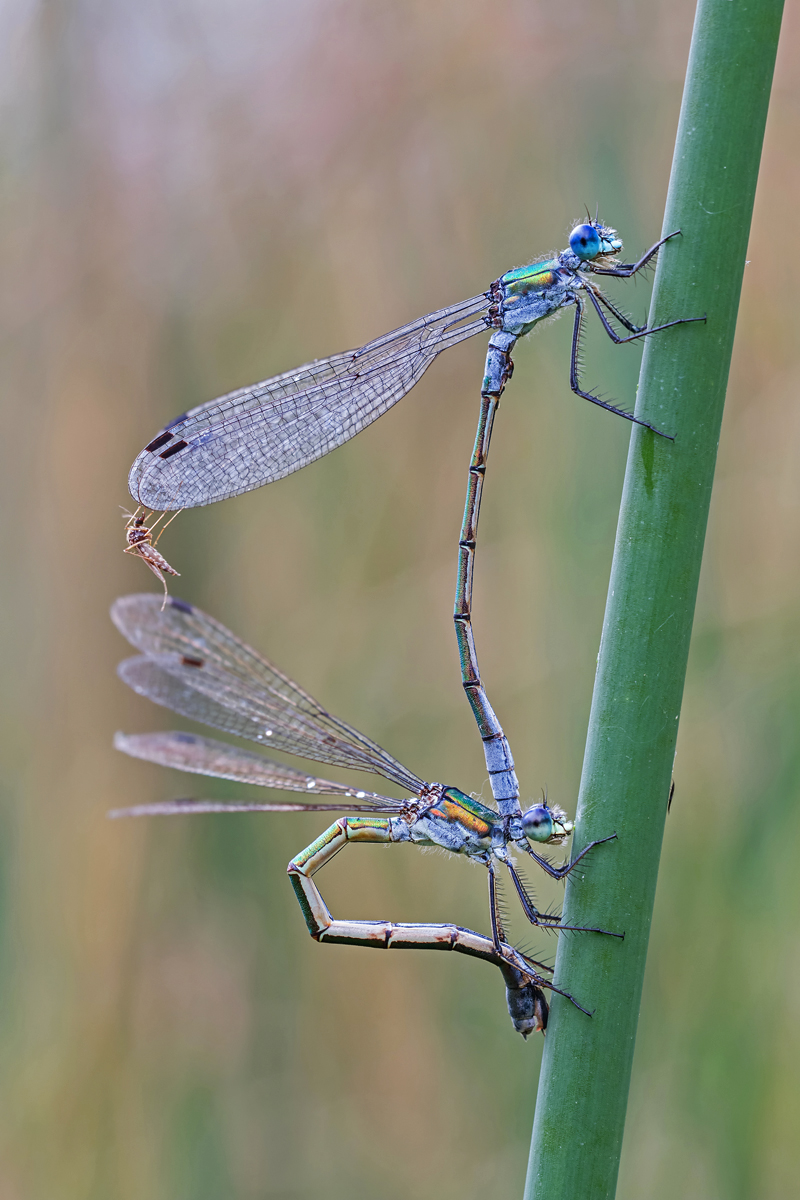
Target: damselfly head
x=541 y=823
x=594 y=240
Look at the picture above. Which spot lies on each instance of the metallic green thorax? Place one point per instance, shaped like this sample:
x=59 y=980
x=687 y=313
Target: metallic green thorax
x=522 y=280
x=457 y=807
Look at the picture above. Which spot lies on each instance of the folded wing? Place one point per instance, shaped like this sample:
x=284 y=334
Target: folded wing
x=206 y=756
x=264 y=432
x=194 y=666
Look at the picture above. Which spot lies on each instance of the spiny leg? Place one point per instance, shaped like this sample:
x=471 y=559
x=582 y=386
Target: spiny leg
x=574 y=379
x=640 y=333
x=498 y=929
x=498 y=932
x=625 y=270
x=541 y=919
x=561 y=872
x=529 y=908
x=499 y=762
x=528 y=1007
x=618 y=313
x=568 y=996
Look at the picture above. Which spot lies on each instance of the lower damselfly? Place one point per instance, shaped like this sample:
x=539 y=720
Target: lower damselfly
x=194 y=666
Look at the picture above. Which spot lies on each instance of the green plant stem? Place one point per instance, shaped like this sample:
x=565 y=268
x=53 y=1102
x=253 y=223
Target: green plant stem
x=585 y=1077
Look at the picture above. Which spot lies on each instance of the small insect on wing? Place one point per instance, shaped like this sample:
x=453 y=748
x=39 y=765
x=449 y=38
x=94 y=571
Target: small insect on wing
x=156 y=561
x=139 y=537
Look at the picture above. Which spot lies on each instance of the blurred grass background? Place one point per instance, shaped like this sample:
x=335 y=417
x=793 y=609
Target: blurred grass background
x=198 y=195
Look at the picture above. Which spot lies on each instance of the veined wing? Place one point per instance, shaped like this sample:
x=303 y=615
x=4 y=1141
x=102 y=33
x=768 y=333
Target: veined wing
x=261 y=433
x=187 y=804
x=195 y=666
x=208 y=695
x=206 y=756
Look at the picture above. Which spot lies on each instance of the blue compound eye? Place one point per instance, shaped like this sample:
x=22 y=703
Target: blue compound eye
x=537 y=823
x=584 y=242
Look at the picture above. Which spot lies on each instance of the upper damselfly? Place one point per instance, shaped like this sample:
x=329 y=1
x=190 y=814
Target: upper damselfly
x=261 y=433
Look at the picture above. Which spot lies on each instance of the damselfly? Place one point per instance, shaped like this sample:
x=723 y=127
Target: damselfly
x=139 y=537
x=260 y=434
x=192 y=664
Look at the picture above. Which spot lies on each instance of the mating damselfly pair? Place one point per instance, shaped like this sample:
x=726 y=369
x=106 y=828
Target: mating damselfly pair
x=262 y=433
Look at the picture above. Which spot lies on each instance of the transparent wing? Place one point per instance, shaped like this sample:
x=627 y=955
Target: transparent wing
x=261 y=433
x=206 y=756
x=173 y=808
x=195 y=666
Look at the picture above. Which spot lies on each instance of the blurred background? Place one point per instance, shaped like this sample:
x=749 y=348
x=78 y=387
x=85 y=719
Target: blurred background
x=197 y=195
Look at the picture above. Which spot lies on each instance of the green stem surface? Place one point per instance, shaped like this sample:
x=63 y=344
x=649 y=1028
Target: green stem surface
x=585 y=1076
